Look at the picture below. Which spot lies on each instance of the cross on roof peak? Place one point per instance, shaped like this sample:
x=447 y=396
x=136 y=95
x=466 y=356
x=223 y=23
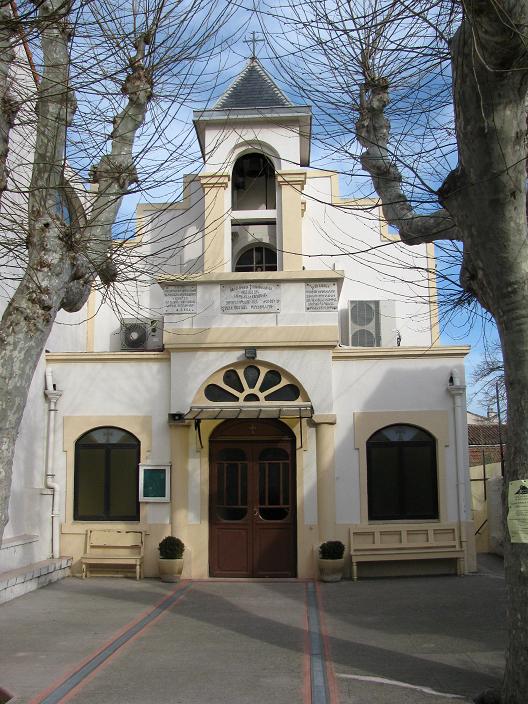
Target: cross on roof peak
x=253 y=41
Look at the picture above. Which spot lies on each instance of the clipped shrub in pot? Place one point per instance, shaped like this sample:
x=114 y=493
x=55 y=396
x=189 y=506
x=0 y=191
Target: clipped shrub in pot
x=331 y=561
x=170 y=561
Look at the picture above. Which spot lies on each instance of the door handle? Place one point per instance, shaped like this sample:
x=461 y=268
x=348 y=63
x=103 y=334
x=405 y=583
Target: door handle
x=256 y=512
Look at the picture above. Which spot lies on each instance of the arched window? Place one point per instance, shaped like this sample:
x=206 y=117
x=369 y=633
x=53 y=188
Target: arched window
x=257 y=258
x=401 y=474
x=106 y=476
x=253 y=183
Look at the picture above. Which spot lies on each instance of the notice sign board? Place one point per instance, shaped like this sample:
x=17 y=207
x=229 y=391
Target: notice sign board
x=154 y=482
x=320 y=296
x=180 y=299
x=250 y=298
x=518 y=511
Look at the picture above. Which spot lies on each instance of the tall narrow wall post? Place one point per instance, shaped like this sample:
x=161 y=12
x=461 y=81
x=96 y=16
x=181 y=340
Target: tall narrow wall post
x=291 y=186
x=325 y=457
x=179 y=437
x=215 y=211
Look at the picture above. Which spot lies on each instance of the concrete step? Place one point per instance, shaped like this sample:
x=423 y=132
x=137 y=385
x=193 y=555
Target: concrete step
x=26 y=579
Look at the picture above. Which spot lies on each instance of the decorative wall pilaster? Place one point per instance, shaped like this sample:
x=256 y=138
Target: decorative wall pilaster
x=214 y=186
x=291 y=185
x=325 y=454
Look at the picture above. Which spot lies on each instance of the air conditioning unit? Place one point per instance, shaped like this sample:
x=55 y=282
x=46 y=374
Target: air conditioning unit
x=372 y=323
x=364 y=328
x=141 y=335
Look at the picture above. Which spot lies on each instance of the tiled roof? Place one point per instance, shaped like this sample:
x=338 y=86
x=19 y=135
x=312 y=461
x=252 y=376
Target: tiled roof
x=252 y=89
x=485 y=434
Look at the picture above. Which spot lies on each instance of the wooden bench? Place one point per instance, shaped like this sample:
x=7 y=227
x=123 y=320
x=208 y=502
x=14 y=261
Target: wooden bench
x=121 y=549
x=410 y=542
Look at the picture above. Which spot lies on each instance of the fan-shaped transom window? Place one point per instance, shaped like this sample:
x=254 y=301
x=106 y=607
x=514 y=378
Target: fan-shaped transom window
x=257 y=258
x=401 y=474
x=106 y=476
x=252 y=384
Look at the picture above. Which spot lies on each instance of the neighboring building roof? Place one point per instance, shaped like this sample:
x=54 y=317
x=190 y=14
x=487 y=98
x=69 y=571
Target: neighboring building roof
x=484 y=444
x=253 y=88
x=485 y=434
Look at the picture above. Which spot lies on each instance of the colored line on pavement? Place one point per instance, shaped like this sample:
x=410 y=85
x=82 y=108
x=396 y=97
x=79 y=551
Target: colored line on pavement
x=64 y=688
x=397 y=683
x=318 y=676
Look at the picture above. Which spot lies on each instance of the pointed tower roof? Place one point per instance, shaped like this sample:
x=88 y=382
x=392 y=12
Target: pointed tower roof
x=254 y=98
x=253 y=88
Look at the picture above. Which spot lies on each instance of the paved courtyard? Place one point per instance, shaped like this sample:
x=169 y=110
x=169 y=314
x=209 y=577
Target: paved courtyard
x=104 y=640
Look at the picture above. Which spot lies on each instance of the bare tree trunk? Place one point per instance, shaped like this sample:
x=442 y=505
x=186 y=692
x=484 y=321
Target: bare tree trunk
x=63 y=258
x=487 y=197
x=484 y=205
x=8 y=105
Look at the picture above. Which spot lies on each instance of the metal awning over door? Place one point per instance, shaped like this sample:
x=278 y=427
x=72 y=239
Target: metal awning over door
x=250 y=410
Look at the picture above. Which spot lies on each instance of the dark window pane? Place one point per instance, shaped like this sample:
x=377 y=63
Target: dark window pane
x=251 y=397
x=270 y=258
x=257 y=259
x=253 y=183
x=106 y=475
x=230 y=513
x=251 y=374
x=123 y=487
x=232 y=485
x=271 y=378
x=419 y=482
x=262 y=483
x=232 y=379
x=232 y=454
x=274 y=484
x=273 y=453
x=220 y=478
x=243 y=485
x=289 y=392
x=246 y=259
x=383 y=483
x=276 y=513
x=213 y=392
x=90 y=483
x=285 y=483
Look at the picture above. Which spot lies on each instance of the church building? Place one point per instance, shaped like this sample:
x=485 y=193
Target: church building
x=276 y=382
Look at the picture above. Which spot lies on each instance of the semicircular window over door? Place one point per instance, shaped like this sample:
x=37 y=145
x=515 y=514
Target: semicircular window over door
x=106 y=476
x=252 y=383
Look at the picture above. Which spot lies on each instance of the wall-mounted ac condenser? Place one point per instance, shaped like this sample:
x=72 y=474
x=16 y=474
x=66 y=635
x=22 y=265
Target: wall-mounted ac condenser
x=371 y=323
x=138 y=335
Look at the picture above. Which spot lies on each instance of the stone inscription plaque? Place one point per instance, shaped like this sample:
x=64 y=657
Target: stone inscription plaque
x=321 y=296
x=180 y=299
x=250 y=298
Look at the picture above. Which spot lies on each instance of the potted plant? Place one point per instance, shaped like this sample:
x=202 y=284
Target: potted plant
x=331 y=560
x=170 y=559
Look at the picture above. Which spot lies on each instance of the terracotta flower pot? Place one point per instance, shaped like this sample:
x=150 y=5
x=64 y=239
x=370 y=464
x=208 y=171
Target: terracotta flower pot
x=170 y=570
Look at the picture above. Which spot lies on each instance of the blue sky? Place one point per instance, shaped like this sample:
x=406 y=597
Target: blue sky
x=459 y=326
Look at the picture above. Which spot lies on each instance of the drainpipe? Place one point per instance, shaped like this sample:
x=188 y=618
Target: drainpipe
x=52 y=396
x=457 y=391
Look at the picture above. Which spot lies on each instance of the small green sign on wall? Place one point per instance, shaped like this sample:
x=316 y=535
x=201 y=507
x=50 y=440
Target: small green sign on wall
x=154 y=482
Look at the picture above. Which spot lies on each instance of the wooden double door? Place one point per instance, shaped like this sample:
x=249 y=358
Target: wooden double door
x=252 y=509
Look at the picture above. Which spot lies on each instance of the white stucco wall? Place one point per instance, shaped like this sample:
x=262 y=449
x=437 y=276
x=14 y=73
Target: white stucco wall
x=386 y=385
